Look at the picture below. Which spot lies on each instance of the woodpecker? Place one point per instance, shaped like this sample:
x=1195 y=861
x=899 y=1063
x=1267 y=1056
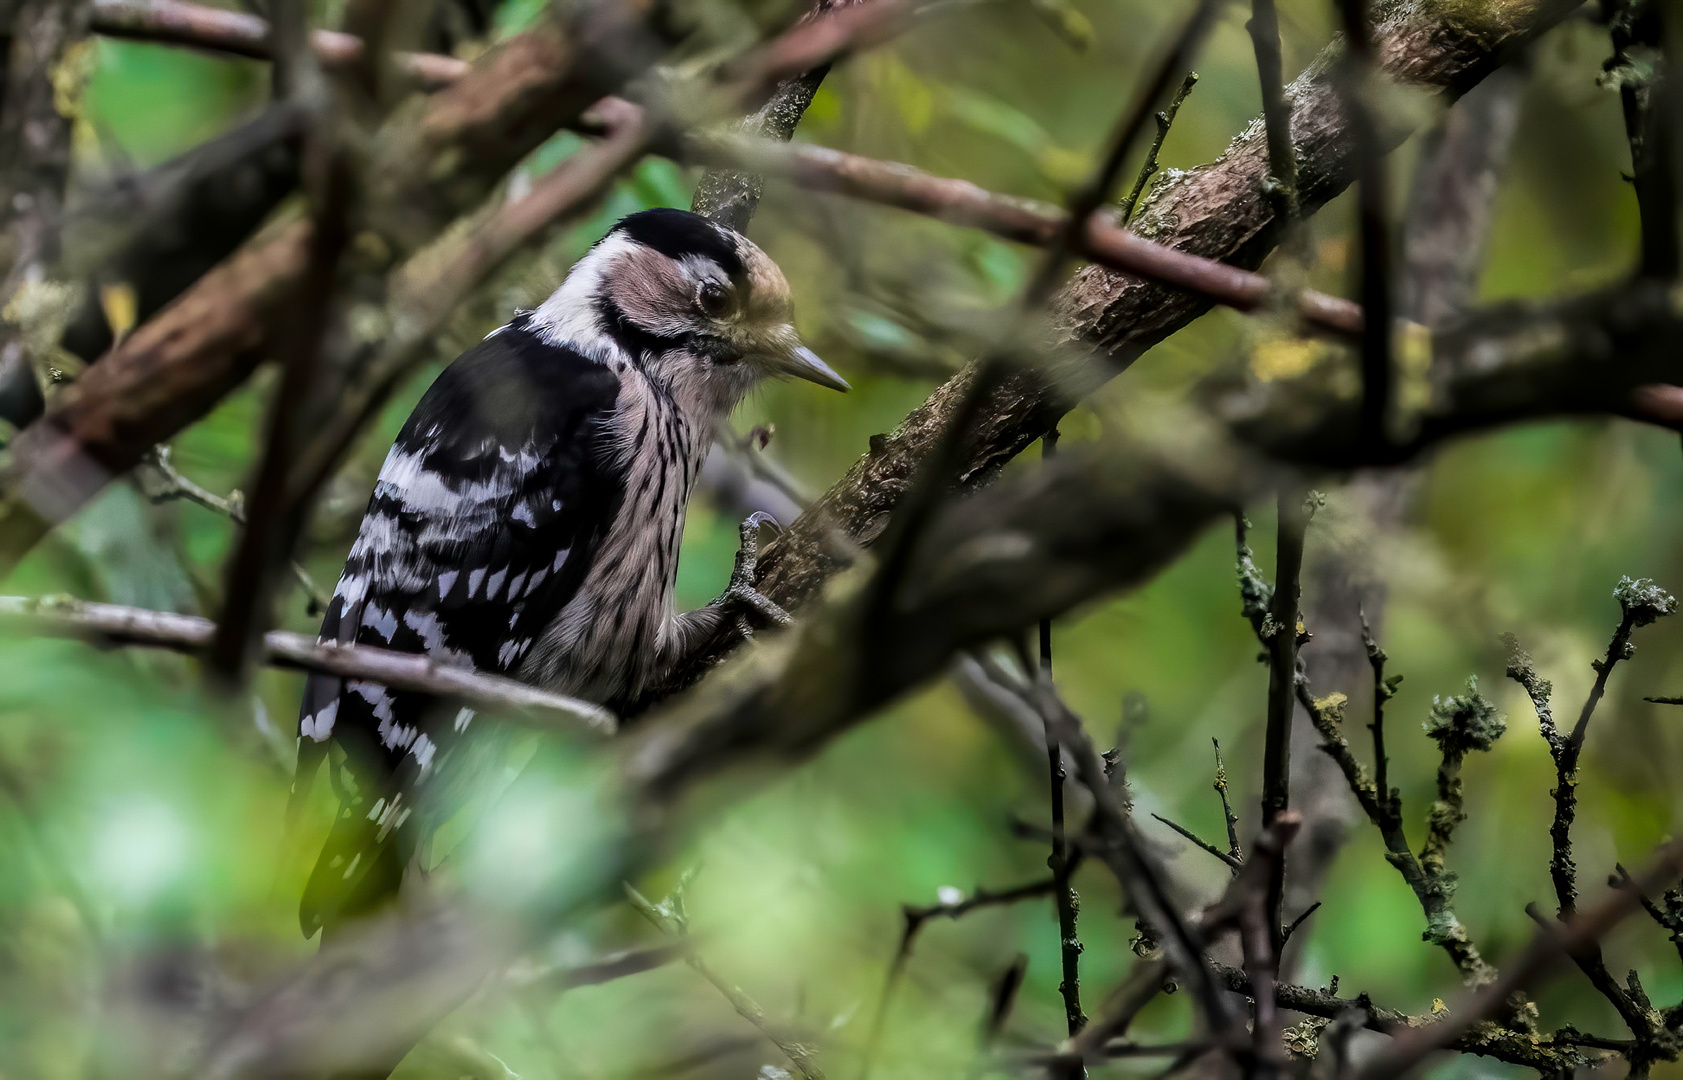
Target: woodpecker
x=526 y=520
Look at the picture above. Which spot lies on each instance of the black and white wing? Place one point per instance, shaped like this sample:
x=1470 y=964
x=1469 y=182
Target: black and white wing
x=485 y=518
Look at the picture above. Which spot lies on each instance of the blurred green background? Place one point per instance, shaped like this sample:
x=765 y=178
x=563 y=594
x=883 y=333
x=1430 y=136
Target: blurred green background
x=141 y=816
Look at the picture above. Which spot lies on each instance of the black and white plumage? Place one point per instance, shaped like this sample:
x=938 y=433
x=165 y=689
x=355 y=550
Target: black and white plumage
x=527 y=519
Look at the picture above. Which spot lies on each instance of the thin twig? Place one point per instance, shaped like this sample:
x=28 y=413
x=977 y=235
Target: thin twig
x=1165 y=119
x=176 y=485
x=1235 y=851
x=619 y=965
x=1068 y=904
x=1641 y=603
x=914 y=920
x=1264 y=27
x=1176 y=60
x=1670 y=917
x=1383 y=691
x=746 y=1007
x=1285 y=936
x=1551 y=1054
x=1233 y=864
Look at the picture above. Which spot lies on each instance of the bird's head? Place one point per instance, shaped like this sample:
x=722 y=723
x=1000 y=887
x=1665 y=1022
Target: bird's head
x=696 y=305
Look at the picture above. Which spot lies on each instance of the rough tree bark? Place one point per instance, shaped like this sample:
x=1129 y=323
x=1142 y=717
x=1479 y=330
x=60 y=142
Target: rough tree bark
x=1221 y=210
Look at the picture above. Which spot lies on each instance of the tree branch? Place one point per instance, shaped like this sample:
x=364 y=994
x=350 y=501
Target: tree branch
x=497 y=696
x=239 y=33
x=1219 y=211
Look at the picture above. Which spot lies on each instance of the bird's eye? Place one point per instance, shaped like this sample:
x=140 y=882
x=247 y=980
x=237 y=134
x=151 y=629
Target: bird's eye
x=713 y=300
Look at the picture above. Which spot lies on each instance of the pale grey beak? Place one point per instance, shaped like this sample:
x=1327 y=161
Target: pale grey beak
x=803 y=363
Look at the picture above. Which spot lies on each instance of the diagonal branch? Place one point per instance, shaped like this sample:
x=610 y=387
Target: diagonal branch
x=1220 y=211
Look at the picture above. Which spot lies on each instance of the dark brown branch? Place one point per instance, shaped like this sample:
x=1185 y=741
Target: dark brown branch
x=1264 y=27
x=730 y=196
x=497 y=696
x=175 y=22
x=1281 y=635
x=275 y=522
x=1261 y=939
x=1357 y=86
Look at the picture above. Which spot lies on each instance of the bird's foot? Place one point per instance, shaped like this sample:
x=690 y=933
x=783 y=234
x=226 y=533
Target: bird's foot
x=741 y=596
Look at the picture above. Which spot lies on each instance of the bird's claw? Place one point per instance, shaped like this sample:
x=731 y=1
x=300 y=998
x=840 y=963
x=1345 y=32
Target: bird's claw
x=741 y=594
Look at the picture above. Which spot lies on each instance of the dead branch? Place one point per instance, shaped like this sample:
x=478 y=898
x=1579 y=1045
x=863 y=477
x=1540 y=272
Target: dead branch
x=496 y=696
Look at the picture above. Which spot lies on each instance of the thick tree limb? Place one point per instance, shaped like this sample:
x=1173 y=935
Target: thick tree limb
x=112 y=624
x=1219 y=211
x=1109 y=517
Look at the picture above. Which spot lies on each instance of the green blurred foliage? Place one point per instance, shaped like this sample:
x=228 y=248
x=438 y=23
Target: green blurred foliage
x=141 y=813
